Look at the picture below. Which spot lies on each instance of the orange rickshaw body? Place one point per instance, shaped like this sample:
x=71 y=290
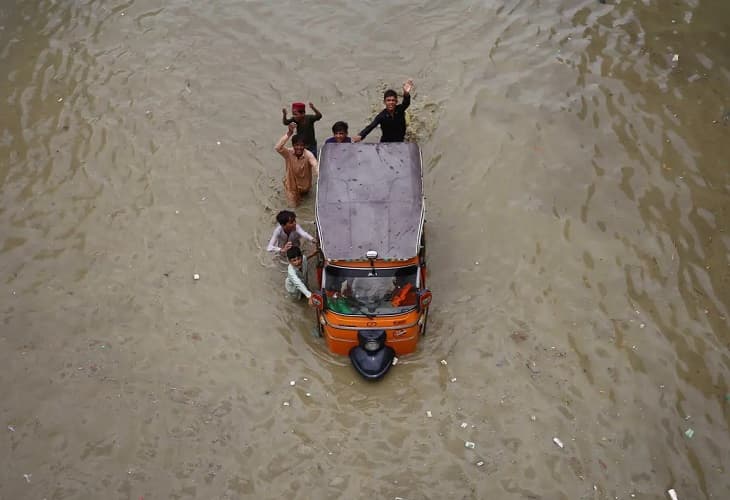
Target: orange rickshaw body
x=372 y=302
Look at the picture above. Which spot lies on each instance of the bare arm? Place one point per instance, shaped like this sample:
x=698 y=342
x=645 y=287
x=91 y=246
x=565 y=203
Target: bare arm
x=317 y=114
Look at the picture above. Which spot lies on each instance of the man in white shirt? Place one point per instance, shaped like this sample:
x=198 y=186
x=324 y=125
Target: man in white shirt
x=287 y=234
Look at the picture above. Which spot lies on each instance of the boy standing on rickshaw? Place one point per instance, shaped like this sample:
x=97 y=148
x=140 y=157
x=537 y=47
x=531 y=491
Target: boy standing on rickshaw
x=392 y=119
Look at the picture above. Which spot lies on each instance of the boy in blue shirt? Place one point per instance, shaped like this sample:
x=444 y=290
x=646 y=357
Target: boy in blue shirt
x=339 y=133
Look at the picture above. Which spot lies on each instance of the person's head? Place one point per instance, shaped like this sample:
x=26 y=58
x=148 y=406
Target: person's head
x=287 y=219
x=297 y=143
x=339 y=131
x=297 y=110
x=294 y=255
x=390 y=98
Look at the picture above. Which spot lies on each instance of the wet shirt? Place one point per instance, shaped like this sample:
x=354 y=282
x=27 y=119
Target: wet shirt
x=299 y=170
x=296 y=279
x=280 y=238
x=305 y=129
x=332 y=139
x=392 y=126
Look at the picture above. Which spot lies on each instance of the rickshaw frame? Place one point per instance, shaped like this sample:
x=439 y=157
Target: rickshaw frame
x=370 y=215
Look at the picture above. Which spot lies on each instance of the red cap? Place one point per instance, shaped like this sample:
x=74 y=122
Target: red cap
x=298 y=106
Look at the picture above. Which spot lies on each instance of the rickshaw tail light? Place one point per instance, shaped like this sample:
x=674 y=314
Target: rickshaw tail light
x=425 y=298
x=317 y=300
x=371 y=340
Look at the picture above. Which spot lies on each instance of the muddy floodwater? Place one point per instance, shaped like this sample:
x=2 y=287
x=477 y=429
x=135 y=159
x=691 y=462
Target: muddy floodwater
x=577 y=176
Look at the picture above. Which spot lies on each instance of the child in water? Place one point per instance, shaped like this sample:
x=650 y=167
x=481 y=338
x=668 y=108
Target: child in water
x=305 y=124
x=287 y=234
x=296 y=275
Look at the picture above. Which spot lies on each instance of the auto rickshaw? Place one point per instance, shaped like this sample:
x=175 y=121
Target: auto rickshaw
x=372 y=301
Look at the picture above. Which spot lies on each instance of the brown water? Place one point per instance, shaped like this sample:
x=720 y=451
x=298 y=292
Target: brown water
x=578 y=200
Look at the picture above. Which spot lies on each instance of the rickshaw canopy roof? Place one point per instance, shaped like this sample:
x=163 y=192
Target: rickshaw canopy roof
x=370 y=197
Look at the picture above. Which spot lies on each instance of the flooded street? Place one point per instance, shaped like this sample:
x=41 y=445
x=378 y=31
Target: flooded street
x=576 y=161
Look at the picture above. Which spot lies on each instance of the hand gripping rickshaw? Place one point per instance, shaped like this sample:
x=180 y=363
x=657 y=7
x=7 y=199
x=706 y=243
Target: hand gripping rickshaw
x=372 y=301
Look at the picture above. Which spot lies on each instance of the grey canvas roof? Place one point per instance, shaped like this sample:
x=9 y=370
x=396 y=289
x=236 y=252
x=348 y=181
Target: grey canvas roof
x=370 y=197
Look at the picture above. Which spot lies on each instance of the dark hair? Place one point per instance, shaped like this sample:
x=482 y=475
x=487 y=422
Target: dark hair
x=293 y=253
x=390 y=93
x=297 y=139
x=339 y=127
x=285 y=216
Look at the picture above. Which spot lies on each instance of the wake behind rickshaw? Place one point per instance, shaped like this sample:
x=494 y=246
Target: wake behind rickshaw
x=372 y=301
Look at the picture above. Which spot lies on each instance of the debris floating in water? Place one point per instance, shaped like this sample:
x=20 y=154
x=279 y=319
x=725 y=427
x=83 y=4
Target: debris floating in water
x=689 y=433
x=196 y=276
x=286 y=403
x=672 y=494
x=464 y=425
x=293 y=383
x=558 y=443
x=443 y=362
x=27 y=477
x=11 y=428
x=470 y=445
x=480 y=463
x=429 y=414
x=453 y=379
x=395 y=360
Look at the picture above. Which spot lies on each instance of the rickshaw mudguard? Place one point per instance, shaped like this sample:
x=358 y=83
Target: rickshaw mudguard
x=372 y=366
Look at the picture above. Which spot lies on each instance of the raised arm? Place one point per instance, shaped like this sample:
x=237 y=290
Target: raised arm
x=407 y=87
x=317 y=114
x=284 y=119
x=281 y=145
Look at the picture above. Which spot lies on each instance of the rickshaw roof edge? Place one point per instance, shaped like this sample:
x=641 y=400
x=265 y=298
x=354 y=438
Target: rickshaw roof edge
x=370 y=197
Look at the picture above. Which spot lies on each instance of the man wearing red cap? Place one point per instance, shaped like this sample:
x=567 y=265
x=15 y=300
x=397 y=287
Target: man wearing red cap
x=301 y=166
x=305 y=124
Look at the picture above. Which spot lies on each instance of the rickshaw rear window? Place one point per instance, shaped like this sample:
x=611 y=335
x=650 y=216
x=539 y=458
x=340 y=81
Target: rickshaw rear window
x=360 y=292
